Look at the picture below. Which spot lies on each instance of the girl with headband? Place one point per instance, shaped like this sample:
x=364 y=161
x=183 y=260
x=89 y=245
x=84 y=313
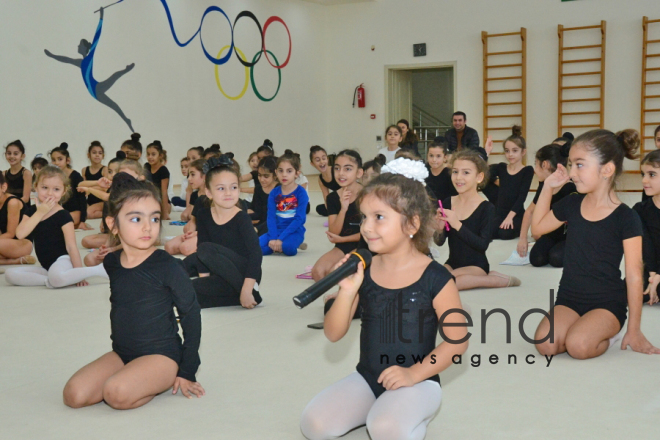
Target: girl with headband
x=394 y=400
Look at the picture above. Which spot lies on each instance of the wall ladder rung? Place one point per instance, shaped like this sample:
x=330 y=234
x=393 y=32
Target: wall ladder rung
x=498 y=128
x=581 y=100
x=581 y=87
x=648 y=137
x=650 y=83
x=652 y=41
x=652 y=96
x=503 y=116
x=499 y=66
x=652 y=69
x=582 y=73
x=502 y=78
x=580 y=126
x=506 y=34
x=508 y=52
x=504 y=91
x=580 y=113
x=651 y=110
x=585 y=60
x=652 y=123
x=591 y=46
x=505 y=103
x=653 y=55
x=580 y=28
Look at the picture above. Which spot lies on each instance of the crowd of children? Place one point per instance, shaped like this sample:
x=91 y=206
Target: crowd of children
x=394 y=205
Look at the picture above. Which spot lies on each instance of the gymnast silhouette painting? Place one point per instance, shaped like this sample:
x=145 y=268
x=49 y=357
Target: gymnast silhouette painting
x=86 y=64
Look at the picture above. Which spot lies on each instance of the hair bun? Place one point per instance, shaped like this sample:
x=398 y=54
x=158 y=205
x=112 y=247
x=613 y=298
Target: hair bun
x=565 y=149
x=516 y=130
x=120 y=155
x=268 y=143
x=64 y=146
x=156 y=142
x=229 y=154
x=215 y=147
x=380 y=159
x=630 y=141
x=568 y=135
x=136 y=136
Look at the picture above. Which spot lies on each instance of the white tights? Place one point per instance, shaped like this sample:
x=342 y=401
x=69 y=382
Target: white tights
x=61 y=274
x=402 y=414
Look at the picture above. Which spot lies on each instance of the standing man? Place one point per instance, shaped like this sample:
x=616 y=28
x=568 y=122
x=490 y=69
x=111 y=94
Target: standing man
x=461 y=136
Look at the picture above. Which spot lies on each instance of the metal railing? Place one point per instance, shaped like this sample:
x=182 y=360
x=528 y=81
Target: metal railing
x=427 y=127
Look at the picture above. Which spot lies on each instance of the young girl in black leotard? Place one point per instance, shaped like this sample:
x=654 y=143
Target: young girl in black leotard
x=186 y=243
x=402 y=287
x=228 y=258
x=267 y=182
x=146 y=283
x=592 y=299
x=439 y=180
x=93 y=173
x=514 y=182
x=470 y=220
x=160 y=175
x=12 y=250
x=17 y=177
x=50 y=227
x=319 y=159
x=76 y=204
x=649 y=213
x=549 y=248
x=343 y=214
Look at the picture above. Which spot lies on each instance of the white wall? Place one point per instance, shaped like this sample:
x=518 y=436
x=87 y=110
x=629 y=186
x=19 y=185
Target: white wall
x=452 y=31
x=171 y=94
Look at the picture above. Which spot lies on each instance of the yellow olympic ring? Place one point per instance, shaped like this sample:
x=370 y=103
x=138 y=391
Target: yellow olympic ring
x=247 y=75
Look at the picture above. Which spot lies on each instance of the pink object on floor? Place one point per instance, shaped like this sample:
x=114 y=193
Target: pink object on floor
x=325 y=225
x=304 y=276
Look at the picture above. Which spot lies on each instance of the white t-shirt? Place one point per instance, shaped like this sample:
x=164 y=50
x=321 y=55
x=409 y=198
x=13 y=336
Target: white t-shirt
x=247 y=196
x=184 y=187
x=302 y=180
x=389 y=155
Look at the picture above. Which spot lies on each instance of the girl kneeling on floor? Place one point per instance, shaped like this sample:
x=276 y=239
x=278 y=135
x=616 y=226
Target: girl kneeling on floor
x=147 y=356
x=592 y=299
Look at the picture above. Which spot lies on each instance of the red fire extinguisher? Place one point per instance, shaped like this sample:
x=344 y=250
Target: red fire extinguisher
x=359 y=95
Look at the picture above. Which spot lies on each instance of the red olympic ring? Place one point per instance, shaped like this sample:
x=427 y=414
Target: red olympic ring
x=268 y=23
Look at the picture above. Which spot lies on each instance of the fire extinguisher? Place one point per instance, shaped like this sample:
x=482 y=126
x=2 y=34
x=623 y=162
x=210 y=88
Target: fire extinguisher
x=359 y=95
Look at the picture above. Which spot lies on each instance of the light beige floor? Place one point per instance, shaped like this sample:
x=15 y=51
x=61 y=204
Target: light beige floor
x=261 y=367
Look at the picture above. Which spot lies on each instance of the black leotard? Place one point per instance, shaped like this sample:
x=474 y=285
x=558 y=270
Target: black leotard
x=48 y=238
x=594 y=250
x=15 y=182
x=4 y=213
x=157 y=178
x=391 y=323
x=77 y=200
x=332 y=185
x=569 y=188
x=351 y=225
x=441 y=185
x=92 y=199
x=468 y=246
x=650 y=216
x=142 y=317
x=513 y=189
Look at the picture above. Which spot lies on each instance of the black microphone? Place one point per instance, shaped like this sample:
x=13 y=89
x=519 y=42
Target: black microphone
x=333 y=278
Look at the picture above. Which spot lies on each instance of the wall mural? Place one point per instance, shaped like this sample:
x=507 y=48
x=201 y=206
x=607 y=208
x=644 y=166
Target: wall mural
x=98 y=89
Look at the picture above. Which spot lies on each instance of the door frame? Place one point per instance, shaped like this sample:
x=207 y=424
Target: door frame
x=417 y=66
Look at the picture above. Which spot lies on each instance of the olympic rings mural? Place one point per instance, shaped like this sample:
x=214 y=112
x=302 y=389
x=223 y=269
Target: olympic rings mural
x=221 y=59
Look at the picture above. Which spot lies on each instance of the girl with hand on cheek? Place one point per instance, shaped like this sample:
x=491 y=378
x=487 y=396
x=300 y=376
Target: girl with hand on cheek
x=592 y=299
x=50 y=227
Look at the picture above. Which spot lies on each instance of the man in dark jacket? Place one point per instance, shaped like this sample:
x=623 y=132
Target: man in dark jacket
x=461 y=135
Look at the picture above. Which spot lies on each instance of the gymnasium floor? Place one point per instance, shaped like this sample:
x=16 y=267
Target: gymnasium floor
x=261 y=367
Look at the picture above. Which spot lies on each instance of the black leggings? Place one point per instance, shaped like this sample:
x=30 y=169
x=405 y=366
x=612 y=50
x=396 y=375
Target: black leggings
x=548 y=250
x=227 y=268
x=507 y=234
x=322 y=210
